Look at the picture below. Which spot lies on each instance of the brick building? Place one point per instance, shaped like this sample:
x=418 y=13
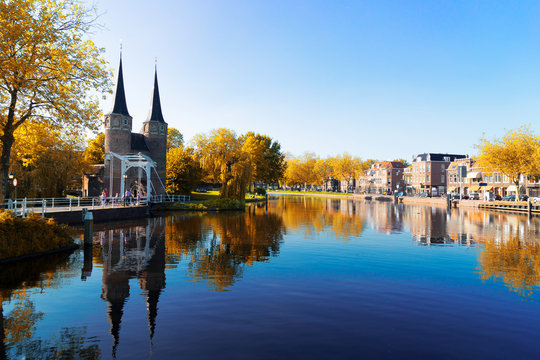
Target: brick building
x=428 y=173
x=384 y=177
x=119 y=139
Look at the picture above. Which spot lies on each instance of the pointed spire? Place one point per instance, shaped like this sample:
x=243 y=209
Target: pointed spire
x=120 y=105
x=155 y=105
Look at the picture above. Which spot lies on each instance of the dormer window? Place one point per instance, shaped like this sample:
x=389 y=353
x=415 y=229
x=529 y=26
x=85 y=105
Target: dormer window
x=162 y=127
x=125 y=121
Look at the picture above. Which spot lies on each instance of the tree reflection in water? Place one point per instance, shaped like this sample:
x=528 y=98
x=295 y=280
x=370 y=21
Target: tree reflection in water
x=513 y=261
x=18 y=326
x=219 y=246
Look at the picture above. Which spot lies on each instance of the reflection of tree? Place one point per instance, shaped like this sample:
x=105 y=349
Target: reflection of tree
x=515 y=262
x=70 y=343
x=314 y=215
x=20 y=323
x=18 y=326
x=218 y=247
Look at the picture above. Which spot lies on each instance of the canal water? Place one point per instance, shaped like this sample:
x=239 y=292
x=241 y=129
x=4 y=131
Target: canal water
x=304 y=278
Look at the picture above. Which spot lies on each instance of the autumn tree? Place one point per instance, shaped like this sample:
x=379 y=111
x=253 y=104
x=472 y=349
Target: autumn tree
x=48 y=67
x=46 y=162
x=224 y=160
x=174 y=138
x=183 y=170
x=267 y=159
x=513 y=155
x=324 y=170
x=347 y=168
x=95 y=150
x=301 y=171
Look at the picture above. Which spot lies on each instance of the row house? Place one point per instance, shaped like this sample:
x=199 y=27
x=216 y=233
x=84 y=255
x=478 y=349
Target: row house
x=384 y=177
x=427 y=173
x=474 y=180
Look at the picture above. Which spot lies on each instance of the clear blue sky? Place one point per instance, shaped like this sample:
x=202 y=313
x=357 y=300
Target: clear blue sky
x=376 y=79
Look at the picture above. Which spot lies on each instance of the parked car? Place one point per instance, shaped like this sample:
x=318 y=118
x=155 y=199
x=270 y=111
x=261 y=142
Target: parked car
x=512 y=197
x=535 y=201
x=474 y=196
x=455 y=197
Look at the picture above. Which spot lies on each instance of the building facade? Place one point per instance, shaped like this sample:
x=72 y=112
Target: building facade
x=384 y=177
x=428 y=173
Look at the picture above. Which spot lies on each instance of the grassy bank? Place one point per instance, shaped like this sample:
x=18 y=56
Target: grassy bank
x=207 y=205
x=210 y=201
x=31 y=235
x=214 y=195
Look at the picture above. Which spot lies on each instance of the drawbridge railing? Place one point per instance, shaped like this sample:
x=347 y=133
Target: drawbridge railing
x=23 y=207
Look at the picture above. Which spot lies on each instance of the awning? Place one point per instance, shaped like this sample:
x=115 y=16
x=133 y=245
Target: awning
x=474 y=188
x=451 y=188
x=511 y=188
x=474 y=175
x=487 y=188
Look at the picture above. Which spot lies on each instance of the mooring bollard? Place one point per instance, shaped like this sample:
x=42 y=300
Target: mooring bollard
x=88 y=227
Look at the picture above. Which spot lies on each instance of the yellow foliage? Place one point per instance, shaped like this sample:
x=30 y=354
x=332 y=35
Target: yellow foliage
x=95 y=150
x=33 y=234
x=515 y=262
x=513 y=155
x=183 y=170
x=223 y=158
x=46 y=162
x=48 y=68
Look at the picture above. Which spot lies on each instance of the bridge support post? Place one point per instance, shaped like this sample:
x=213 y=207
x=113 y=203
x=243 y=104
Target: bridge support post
x=88 y=228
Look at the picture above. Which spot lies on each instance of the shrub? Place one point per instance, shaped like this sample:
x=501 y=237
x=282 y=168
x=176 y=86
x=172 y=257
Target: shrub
x=33 y=234
x=260 y=191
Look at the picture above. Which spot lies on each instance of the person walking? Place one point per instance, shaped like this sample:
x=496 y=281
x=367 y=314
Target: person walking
x=103 y=198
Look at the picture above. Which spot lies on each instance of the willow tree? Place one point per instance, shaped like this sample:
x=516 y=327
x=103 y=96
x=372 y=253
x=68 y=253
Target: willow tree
x=513 y=155
x=48 y=67
x=267 y=158
x=223 y=158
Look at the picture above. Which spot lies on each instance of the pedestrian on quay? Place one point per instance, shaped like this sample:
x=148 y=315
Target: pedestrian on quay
x=103 y=197
x=127 y=197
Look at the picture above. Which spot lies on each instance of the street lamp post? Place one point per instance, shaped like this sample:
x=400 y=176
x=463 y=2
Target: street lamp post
x=13 y=180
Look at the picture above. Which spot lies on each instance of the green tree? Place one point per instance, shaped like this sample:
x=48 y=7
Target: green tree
x=174 y=138
x=267 y=159
x=183 y=170
x=48 y=67
x=403 y=161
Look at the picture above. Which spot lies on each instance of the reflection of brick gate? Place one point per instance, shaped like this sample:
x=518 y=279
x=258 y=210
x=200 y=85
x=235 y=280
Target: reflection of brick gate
x=131 y=161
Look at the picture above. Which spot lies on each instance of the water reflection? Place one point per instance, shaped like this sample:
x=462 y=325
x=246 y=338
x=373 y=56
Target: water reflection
x=131 y=252
x=18 y=326
x=217 y=249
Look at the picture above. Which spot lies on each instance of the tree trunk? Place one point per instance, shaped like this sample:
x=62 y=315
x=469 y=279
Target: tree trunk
x=7 y=140
x=517 y=189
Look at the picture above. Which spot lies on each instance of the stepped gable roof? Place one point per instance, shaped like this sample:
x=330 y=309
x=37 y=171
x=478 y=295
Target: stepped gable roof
x=155 y=113
x=120 y=105
x=437 y=157
x=138 y=143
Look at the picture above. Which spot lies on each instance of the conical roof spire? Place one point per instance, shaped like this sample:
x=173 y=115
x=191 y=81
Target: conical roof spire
x=155 y=105
x=120 y=105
